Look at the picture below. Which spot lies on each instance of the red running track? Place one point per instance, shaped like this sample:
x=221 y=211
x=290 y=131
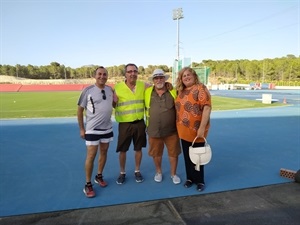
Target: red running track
x=42 y=87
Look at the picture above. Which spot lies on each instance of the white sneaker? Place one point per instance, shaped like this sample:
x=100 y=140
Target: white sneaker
x=176 y=179
x=158 y=177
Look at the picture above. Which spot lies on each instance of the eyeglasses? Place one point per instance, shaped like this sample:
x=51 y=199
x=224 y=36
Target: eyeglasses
x=132 y=71
x=159 y=76
x=103 y=95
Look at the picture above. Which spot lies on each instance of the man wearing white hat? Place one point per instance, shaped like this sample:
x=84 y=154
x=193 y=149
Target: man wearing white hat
x=161 y=124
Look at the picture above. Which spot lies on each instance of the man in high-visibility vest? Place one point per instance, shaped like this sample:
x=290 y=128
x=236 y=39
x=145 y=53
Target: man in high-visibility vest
x=161 y=125
x=129 y=113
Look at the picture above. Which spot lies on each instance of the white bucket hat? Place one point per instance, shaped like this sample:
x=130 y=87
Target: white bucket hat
x=200 y=155
x=158 y=73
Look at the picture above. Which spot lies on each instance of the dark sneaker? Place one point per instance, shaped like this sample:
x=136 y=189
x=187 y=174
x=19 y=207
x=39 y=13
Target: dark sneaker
x=138 y=177
x=99 y=180
x=188 y=184
x=89 y=191
x=121 y=179
x=200 y=187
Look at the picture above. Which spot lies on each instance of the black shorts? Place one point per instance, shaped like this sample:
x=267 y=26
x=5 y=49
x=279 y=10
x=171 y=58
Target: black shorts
x=132 y=131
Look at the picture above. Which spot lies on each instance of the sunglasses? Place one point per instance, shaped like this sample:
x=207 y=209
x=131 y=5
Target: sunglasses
x=103 y=95
x=93 y=105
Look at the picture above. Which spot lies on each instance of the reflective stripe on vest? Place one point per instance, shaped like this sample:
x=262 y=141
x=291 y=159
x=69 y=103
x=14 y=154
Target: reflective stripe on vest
x=130 y=102
x=130 y=106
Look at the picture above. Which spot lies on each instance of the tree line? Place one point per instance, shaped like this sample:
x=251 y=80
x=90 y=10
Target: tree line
x=284 y=70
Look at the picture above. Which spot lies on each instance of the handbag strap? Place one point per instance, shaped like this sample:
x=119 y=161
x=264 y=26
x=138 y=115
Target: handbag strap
x=197 y=138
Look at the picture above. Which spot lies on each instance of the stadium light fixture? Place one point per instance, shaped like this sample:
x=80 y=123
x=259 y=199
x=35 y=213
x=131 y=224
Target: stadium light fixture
x=177 y=15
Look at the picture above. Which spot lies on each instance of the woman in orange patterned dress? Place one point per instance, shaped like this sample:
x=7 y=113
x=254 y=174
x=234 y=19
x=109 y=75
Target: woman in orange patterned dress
x=193 y=108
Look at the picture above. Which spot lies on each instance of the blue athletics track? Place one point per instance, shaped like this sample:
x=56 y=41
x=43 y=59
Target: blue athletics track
x=42 y=160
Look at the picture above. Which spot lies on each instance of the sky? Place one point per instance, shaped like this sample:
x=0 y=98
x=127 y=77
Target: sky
x=112 y=33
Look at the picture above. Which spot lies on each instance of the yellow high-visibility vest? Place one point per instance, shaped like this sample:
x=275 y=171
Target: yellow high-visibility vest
x=148 y=100
x=130 y=106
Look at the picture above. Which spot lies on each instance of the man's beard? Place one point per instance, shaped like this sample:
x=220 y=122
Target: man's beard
x=160 y=86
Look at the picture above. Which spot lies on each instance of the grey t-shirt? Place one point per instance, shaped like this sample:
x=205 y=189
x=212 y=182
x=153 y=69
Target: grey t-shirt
x=162 y=120
x=98 y=111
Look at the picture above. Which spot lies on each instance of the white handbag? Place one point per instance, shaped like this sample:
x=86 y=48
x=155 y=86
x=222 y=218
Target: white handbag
x=200 y=155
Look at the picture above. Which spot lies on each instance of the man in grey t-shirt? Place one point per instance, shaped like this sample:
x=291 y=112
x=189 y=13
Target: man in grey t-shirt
x=97 y=102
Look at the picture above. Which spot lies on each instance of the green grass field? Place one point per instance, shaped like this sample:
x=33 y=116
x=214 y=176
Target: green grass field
x=64 y=104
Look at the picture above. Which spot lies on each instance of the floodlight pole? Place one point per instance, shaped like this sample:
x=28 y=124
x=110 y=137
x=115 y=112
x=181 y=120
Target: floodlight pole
x=177 y=15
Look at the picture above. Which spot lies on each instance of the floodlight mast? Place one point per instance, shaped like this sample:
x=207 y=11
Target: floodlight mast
x=177 y=15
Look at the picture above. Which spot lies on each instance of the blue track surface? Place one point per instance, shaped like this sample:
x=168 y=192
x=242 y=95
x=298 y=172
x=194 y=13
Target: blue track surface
x=42 y=161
